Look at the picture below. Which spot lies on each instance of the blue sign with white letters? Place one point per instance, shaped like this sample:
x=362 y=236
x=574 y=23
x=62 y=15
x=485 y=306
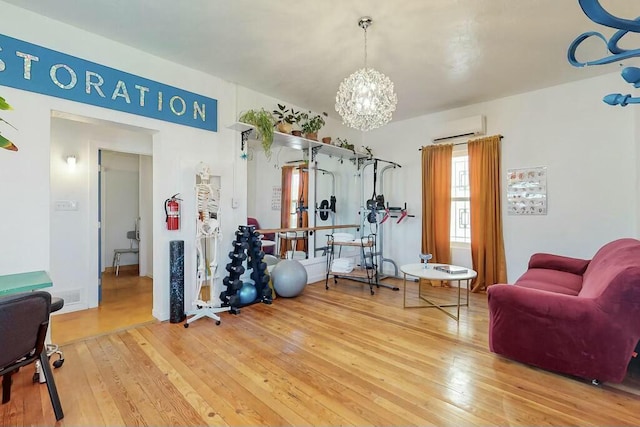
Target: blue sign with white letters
x=37 y=69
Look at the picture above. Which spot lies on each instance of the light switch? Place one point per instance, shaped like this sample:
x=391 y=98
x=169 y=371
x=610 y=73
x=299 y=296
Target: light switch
x=66 y=205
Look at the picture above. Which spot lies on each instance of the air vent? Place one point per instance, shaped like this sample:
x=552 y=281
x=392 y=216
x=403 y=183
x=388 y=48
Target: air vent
x=70 y=297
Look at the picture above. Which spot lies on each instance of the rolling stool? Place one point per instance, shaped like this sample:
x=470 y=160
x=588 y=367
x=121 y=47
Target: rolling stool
x=56 y=304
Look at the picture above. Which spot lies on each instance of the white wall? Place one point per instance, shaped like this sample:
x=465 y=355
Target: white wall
x=120 y=175
x=146 y=216
x=176 y=152
x=74 y=233
x=589 y=148
x=35 y=170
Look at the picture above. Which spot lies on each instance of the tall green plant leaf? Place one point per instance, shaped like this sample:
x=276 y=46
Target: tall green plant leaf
x=3 y=120
x=4 y=105
x=6 y=144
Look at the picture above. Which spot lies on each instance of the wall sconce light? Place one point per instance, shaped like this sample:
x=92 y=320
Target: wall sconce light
x=71 y=162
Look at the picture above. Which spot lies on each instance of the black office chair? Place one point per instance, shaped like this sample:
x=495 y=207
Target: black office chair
x=56 y=304
x=24 y=319
x=52 y=349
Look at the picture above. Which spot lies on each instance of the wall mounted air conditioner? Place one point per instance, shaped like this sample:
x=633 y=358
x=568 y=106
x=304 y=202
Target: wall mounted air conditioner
x=466 y=128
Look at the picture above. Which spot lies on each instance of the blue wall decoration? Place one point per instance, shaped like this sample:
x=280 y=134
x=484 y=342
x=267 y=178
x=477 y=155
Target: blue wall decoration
x=37 y=69
x=594 y=11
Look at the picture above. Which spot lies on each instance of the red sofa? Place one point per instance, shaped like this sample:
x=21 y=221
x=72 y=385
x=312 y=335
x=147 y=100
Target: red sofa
x=574 y=316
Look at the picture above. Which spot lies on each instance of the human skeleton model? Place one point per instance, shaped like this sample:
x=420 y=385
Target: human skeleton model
x=208 y=238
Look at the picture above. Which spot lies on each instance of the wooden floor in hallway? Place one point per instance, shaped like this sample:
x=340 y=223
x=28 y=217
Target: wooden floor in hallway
x=126 y=301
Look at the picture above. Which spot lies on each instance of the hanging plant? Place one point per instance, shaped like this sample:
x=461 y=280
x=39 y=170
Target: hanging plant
x=4 y=142
x=263 y=121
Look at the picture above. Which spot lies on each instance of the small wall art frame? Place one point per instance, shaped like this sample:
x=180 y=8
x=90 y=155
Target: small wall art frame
x=527 y=191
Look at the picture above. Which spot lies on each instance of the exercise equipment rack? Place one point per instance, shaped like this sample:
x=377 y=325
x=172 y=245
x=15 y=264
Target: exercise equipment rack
x=246 y=246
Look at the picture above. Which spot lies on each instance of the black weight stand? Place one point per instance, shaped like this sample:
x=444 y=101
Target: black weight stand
x=246 y=246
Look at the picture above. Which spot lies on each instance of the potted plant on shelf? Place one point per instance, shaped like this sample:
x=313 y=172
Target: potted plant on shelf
x=298 y=118
x=312 y=124
x=344 y=143
x=263 y=121
x=285 y=118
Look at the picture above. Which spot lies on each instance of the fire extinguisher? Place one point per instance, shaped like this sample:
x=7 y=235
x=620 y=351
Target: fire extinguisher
x=172 y=212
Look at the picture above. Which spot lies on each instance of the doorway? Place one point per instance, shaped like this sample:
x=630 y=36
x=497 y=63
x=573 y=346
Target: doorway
x=82 y=245
x=125 y=293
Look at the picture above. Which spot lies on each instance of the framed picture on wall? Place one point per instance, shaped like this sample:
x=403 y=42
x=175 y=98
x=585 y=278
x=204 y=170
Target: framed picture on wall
x=276 y=198
x=527 y=191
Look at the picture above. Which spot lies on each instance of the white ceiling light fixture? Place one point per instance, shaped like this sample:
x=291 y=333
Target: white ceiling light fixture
x=366 y=100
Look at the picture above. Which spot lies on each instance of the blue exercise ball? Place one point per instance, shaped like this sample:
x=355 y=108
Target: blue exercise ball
x=247 y=292
x=289 y=278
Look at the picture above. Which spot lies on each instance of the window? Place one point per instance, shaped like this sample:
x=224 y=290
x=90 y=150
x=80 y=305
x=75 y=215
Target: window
x=295 y=191
x=460 y=202
x=294 y=204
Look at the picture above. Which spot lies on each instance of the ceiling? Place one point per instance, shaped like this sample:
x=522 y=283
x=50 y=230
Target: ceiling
x=440 y=54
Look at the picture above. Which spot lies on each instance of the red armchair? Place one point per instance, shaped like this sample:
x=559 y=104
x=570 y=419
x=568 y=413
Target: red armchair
x=578 y=317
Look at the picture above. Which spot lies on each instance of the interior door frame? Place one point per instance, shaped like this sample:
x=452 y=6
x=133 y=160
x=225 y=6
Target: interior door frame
x=95 y=244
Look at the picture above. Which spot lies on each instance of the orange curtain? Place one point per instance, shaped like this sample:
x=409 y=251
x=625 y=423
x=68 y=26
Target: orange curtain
x=487 y=244
x=285 y=215
x=285 y=207
x=303 y=199
x=436 y=201
x=302 y=217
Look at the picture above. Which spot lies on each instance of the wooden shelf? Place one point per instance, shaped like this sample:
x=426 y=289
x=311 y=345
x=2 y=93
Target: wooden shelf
x=358 y=272
x=299 y=143
x=355 y=243
x=320 y=227
x=334 y=151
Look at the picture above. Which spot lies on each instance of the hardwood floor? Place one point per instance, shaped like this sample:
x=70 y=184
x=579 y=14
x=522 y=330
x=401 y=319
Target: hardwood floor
x=336 y=357
x=126 y=301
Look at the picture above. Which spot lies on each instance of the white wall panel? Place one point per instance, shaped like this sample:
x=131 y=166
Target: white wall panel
x=590 y=151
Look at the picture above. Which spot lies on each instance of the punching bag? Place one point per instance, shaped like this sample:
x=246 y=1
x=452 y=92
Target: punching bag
x=176 y=281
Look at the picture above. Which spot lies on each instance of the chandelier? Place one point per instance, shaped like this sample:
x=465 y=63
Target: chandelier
x=365 y=99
